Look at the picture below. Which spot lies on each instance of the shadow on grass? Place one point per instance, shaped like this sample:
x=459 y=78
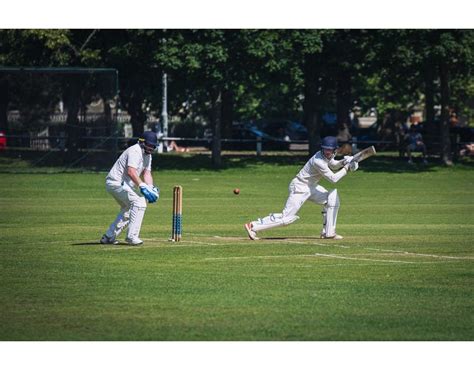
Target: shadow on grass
x=13 y=162
x=87 y=243
x=296 y=238
x=99 y=244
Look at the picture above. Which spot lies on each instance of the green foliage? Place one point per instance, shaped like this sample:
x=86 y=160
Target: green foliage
x=263 y=68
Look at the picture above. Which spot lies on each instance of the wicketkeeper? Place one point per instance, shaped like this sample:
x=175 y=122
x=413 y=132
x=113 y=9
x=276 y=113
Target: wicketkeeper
x=124 y=182
x=305 y=186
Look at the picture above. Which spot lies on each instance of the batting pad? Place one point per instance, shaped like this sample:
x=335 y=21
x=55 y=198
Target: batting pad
x=271 y=221
x=330 y=213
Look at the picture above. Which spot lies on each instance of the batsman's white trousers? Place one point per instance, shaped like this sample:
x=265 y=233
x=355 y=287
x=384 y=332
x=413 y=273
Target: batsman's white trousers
x=299 y=193
x=132 y=210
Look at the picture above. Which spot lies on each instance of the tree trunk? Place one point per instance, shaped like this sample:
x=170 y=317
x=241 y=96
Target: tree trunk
x=429 y=95
x=72 y=100
x=108 y=120
x=445 y=139
x=343 y=99
x=311 y=104
x=227 y=113
x=137 y=115
x=110 y=126
x=4 y=98
x=216 y=120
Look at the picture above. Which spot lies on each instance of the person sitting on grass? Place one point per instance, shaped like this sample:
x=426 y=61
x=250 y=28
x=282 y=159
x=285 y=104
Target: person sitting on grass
x=175 y=147
x=467 y=150
x=415 y=143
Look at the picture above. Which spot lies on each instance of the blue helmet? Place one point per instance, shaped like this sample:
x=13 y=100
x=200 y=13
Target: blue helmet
x=329 y=142
x=149 y=138
x=148 y=141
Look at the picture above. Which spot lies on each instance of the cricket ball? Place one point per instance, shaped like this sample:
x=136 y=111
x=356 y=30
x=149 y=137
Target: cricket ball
x=236 y=191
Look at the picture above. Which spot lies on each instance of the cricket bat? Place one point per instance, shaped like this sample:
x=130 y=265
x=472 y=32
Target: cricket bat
x=364 y=154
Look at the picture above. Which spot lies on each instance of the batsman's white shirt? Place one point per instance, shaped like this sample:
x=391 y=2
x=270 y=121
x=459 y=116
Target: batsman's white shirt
x=305 y=186
x=132 y=157
x=319 y=167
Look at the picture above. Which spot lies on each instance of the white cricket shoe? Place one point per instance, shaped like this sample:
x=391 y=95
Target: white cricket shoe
x=334 y=237
x=106 y=240
x=134 y=241
x=252 y=234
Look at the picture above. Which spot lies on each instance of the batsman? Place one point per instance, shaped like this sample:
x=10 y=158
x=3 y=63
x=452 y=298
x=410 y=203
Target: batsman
x=305 y=186
x=124 y=182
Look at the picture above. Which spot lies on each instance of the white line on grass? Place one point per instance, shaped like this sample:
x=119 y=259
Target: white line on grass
x=361 y=259
x=308 y=255
x=304 y=243
x=202 y=243
x=256 y=257
x=230 y=237
x=421 y=254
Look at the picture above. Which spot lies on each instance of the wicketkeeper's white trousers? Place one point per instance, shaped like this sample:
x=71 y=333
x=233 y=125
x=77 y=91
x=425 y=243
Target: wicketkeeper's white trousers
x=299 y=193
x=132 y=210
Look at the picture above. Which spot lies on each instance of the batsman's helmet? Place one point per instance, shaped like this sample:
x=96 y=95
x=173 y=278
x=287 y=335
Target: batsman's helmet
x=148 y=138
x=329 y=142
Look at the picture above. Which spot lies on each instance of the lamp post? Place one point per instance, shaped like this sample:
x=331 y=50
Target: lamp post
x=164 y=107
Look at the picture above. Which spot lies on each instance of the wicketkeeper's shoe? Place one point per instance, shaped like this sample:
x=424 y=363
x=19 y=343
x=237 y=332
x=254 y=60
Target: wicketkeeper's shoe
x=252 y=234
x=134 y=241
x=334 y=237
x=106 y=240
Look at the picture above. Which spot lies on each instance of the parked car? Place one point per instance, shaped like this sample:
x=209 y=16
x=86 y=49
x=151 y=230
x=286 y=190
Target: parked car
x=244 y=137
x=282 y=129
x=3 y=141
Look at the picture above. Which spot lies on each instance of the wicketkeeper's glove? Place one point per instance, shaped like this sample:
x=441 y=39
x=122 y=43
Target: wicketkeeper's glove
x=156 y=191
x=148 y=193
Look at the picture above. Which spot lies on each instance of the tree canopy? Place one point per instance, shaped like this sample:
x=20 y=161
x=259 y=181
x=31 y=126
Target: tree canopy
x=222 y=76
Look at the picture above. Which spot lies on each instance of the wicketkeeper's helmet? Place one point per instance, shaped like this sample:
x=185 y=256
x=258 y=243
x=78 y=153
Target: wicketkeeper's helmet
x=149 y=138
x=329 y=142
x=148 y=141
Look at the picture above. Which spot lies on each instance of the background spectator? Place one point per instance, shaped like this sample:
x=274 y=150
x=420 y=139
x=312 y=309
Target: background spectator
x=415 y=143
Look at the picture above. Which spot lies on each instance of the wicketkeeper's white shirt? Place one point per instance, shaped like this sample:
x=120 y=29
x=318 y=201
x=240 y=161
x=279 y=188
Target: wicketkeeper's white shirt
x=132 y=157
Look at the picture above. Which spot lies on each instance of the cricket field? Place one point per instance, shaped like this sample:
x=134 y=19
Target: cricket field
x=404 y=270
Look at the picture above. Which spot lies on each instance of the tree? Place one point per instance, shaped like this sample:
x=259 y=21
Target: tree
x=132 y=52
x=407 y=65
x=52 y=48
x=308 y=45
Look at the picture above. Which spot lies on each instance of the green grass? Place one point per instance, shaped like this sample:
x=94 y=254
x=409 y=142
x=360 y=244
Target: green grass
x=404 y=270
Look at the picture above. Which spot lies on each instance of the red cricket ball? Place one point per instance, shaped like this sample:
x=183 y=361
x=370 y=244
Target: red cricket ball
x=236 y=191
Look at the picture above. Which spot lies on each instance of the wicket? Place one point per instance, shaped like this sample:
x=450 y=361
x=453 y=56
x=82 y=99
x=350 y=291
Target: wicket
x=177 y=213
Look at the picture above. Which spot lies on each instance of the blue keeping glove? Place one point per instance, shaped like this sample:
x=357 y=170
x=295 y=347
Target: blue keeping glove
x=148 y=193
x=156 y=191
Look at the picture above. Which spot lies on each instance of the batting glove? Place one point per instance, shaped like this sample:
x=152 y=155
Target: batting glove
x=347 y=159
x=353 y=166
x=148 y=193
